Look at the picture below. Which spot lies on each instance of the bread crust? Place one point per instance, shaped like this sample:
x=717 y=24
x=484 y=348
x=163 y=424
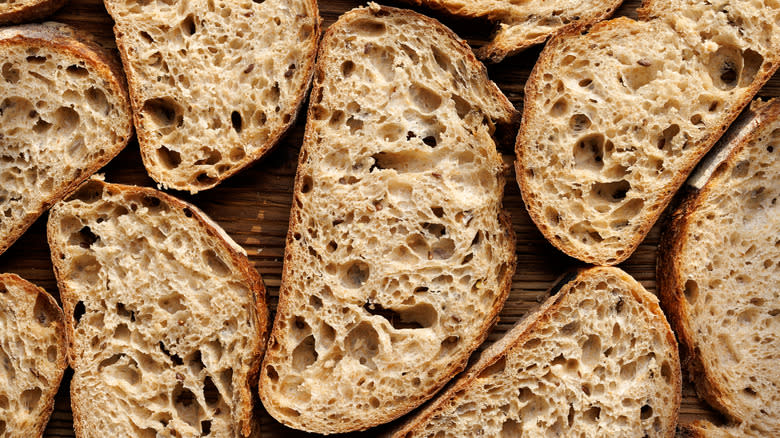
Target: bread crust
x=671 y=284
x=525 y=328
x=239 y=259
x=61 y=363
x=283 y=308
x=532 y=93
x=146 y=142
x=79 y=45
x=34 y=10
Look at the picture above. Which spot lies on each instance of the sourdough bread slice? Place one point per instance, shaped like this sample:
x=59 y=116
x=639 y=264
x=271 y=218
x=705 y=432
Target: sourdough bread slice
x=525 y=23
x=18 y=11
x=64 y=113
x=718 y=269
x=596 y=359
x=616 y=119
x=214 y=85
x=166 y=316
x=398 y=255
x=32 y=357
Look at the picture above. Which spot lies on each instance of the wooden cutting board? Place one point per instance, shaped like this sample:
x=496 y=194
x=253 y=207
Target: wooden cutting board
x=254 y=206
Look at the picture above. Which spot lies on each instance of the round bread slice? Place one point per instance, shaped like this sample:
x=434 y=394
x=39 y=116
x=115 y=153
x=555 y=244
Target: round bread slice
x=165 y=314
x=64 y=113
x=596 y=359
x=399 y=257
x=214 y=85
x=19 y=11
x=718 y=270
x=32 y=357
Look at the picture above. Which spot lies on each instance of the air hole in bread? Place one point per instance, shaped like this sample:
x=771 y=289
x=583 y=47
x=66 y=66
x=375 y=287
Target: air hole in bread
x=163 y=112
x=84 y=238
x=559 y=108
x=186 y=405
x=422 y=315
x=591 y=350
x=146 y=37
x=424 y=98
x=696 y=119
x=592 y=414
x=668 y=135
x=639 y=76
x=236 y=121
x=589 y=152
x=188 y=25
x=170 y=159
x=307 y=184
x=215 y=262
x=305 y=354
x=10 y=74
x=579 y=122
x=30 y=398
x=442 y=59
x=175 y=359
x=3 y=398
x=367 y=27
x=41 y=126
x=611 y=191
x=77 y=71
x=354 y=124
x=34 y=59
x=691 y=291
x=495 y=368
x=585 y=82
x=85 y=269
x=355 y=274
x=462 y=107
x=362 y=343
x=97 y=100
x=66 y=120
x=646 y=412
x=347 y=68
x=203 y=179
x=42 y=310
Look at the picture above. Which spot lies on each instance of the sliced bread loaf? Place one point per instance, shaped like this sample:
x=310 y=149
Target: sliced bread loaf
x=525 y=23
x=64 y=113
x=214 y=85
x=32 y=357
x=166 y=317
x=18 y=11
x=615 y=119
x=718 y=269
x=398 y=255
x=597 y=359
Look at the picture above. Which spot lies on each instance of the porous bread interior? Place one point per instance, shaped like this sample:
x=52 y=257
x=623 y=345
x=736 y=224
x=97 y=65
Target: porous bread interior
x=396 y=254
x=728 y=268
x=616 y=118
x=597 y=363
x=523 y=23
x=165 y=328
x=58 y=116
x=213 y=84
x=32 y=357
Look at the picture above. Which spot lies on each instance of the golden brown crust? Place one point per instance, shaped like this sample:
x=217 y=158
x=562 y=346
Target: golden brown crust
x=61 y=364
x=253 y=280
x=71 y=42
x=283 y=308
x=144 y=140
x=671 y=285
x=29 y=12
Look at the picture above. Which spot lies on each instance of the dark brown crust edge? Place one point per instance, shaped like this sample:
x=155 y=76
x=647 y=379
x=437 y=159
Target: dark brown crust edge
x=671 y=285
x=273 y=140
x=62 y=363
x=505 y=283
x=239 y=260
x=532 y=94
x=78 y=44
x=36 y=10
x=523 y=329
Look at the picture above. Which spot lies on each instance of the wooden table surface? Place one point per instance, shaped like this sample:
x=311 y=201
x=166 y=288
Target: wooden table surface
x=253 y=207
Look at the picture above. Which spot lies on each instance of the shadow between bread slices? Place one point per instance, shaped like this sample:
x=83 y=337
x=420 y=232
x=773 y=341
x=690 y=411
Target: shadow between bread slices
x=399 y=255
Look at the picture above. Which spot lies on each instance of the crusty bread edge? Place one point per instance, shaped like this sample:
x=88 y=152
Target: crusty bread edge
x=254 y=281
x=671 y=287
x=62 y=363
x=532 y=93
x=74 y=43
x=40 y=9
x=144 y=141
x=505 y=283
x=525 y=327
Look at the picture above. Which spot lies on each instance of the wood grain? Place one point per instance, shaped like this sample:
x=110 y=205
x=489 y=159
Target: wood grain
x=254 y=205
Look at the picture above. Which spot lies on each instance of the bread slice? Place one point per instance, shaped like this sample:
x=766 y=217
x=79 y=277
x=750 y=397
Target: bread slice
x=596 y=359
x=398 y=255
x=525 y=23
x=718 y=269
x=32 y=357
x=64 y=113
x=18 y=11
x=615 y=119
x=214 y=85
x=166 y=316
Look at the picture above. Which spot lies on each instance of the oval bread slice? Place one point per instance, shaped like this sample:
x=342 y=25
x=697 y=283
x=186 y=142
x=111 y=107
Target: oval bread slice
x=166 y=316
x=64 y=113
x=214 y=85
x=398 y=255
x=616 y=119
x=596 y=359
x=718 y=270
x=32 y=357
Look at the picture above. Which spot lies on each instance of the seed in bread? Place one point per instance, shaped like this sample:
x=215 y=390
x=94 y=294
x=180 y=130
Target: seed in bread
x=398 y=255
x=524 y=24
x=64 y=113
x=596 y=359
x=214 y=85
x=616 y=119
x=19 y=11
x=165 y=314
x=32 y=357
x=718 y=269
